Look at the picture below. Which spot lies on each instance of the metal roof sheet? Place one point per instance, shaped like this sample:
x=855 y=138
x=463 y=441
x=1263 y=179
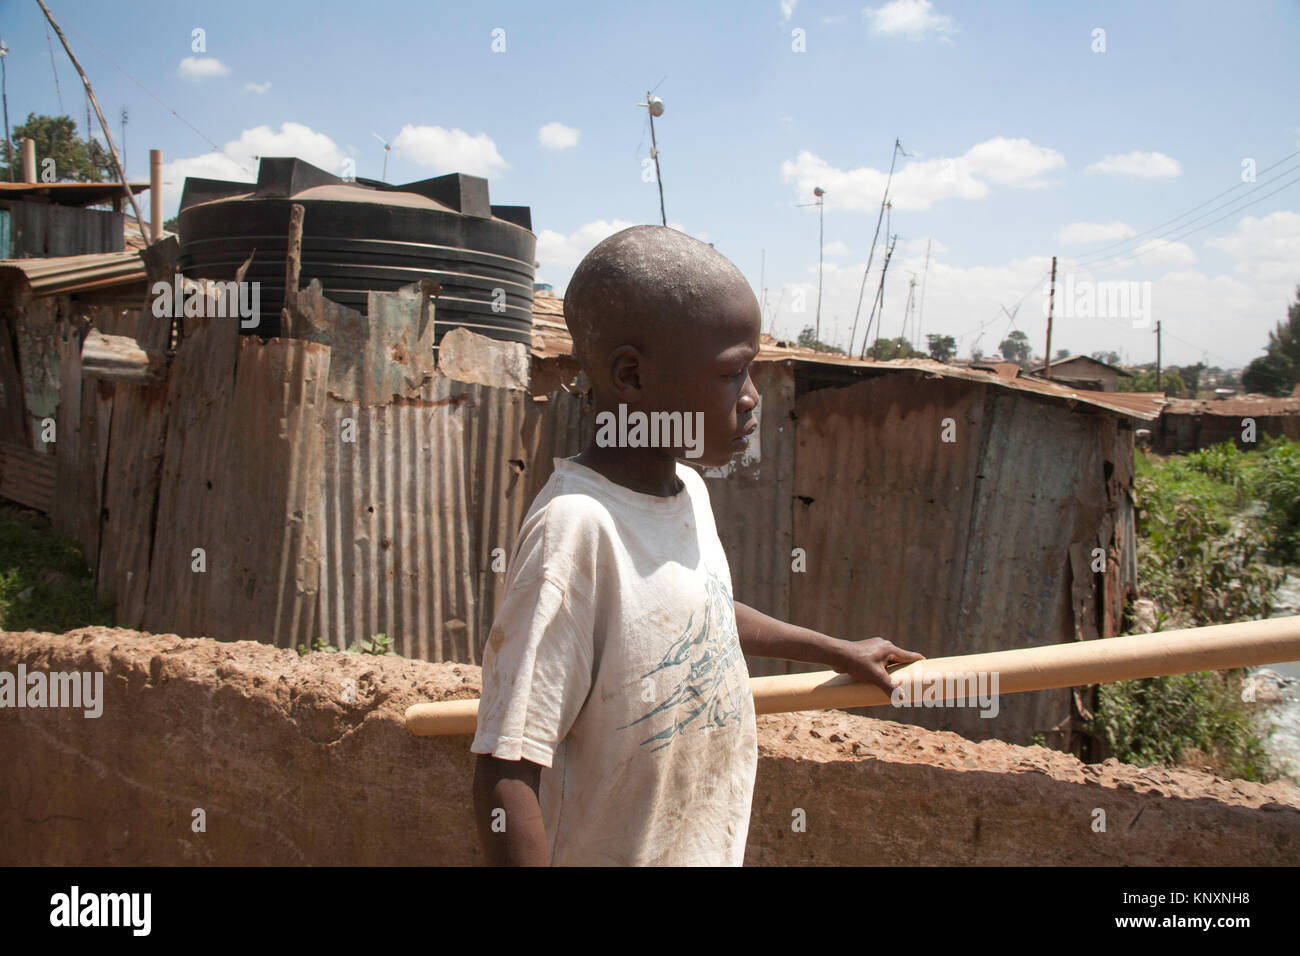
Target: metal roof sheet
x=551 y=339
x=50 y=276
x=68 y=194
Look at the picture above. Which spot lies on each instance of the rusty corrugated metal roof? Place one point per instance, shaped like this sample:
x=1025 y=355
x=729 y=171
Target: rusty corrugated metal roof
x=1239 y=406
x=68 y=194
x=551 y=339
x=52 y=276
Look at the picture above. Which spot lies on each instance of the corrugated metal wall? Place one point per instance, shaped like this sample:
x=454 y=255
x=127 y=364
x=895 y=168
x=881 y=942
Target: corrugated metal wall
x=50 y=229
x=947 y=547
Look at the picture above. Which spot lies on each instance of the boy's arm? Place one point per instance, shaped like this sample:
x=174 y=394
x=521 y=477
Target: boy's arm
x=763 y=636
x=510 y=786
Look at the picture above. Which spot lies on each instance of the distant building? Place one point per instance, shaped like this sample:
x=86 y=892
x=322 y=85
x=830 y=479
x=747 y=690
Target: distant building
x=1080 y=371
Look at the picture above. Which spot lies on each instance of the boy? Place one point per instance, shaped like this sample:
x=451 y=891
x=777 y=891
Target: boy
x=616 y=724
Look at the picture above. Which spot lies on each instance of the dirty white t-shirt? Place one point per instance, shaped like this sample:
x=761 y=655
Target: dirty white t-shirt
x=614 y=662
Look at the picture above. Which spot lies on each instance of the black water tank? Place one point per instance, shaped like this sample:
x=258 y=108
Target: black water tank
x=363 y=235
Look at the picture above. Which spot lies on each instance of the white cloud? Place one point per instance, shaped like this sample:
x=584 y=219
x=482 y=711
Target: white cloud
x=258 y=88
x=558 y=136
x=1137 y=165
x=449 y=150
x=201 y=68
x=787 y=9
x=1265 y=249
x=1095 y=232
x=558 y=253
x=912 y=19
x=1156 y=254
x=238 y=158
x=921 y=183
x=835 y=248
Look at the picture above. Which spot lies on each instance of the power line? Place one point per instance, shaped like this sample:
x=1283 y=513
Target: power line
x=200 y=132
x=50 y=45
x=1098 y=255
x=1227 y=215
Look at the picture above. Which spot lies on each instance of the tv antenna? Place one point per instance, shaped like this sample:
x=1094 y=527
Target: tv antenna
x=383 y=176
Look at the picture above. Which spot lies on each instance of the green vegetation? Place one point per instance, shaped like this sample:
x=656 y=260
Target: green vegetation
x=45 y=584
x=1162 y=719
x=378 y=646
x=75 y=159
x=1277 y=371
x=1202 y=544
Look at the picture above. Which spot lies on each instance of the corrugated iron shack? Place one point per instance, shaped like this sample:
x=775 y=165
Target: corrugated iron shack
x=51 y=219
x=1186 y=424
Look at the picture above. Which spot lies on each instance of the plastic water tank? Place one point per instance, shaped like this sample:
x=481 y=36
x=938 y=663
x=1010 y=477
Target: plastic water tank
x=363 y=235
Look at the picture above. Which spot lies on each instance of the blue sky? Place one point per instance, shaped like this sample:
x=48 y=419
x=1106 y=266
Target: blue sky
x=1025 y=139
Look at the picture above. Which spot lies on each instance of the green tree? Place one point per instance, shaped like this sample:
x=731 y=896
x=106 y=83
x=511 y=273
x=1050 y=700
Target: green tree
x=75 y=159
x=1015 y=347
x=1171 y=383
x=942 y=347
x=1277 y=371
x=1061 y=354
x=886 y=349
x=1191 y=375
x=1110 y=358
x=809 y=341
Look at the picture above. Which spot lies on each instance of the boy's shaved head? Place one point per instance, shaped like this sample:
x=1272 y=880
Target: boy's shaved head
x=647 y=282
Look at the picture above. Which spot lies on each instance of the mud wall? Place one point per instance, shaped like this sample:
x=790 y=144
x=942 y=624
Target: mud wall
x=306 y=761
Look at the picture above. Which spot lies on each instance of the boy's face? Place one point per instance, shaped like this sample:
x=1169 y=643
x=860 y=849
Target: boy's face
x=707 y=370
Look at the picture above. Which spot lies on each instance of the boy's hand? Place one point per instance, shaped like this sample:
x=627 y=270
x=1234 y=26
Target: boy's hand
x=866 y=660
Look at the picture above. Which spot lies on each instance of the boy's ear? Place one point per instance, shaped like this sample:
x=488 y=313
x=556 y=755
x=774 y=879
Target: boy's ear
x=624 y=365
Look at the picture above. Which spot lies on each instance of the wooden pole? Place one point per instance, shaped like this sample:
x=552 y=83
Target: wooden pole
x=292 y=274
x=117 y=162
x=1076 y=663
x=1051 y=302
x=29 y=160
x=155 y=195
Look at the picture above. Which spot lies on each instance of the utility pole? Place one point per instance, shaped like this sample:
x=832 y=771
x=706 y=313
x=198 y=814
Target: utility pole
x=880 y=300
x=920 y=316
x=656 y=108
x=1051 y=302
x=821 y=212
x=1157 y=356
x=4 y=86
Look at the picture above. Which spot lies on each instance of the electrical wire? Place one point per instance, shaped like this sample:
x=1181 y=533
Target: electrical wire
x=200 y=132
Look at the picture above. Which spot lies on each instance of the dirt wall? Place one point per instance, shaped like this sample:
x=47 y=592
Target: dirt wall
x=286 y=769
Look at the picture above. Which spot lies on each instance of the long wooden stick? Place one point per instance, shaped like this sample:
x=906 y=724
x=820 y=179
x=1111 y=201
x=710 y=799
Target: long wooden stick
x=1194 y=649
x=108 y=138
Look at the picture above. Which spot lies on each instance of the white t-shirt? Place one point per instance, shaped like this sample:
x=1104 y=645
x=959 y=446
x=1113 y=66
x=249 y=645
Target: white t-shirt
x=614 y=662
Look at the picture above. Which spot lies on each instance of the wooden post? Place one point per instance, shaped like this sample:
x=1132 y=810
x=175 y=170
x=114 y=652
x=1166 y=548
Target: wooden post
x=1051 y=303
x=29 y=160
x=292 y=272
x=155 y=195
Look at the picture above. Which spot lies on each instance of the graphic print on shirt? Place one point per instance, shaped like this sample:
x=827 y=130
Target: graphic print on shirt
x=709 y=695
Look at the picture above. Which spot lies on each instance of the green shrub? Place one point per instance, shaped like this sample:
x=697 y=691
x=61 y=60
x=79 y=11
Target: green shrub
x=378 y=646
x=1157 y=720
x=1191 y=558
x=1276 y=481
x=45 y=584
